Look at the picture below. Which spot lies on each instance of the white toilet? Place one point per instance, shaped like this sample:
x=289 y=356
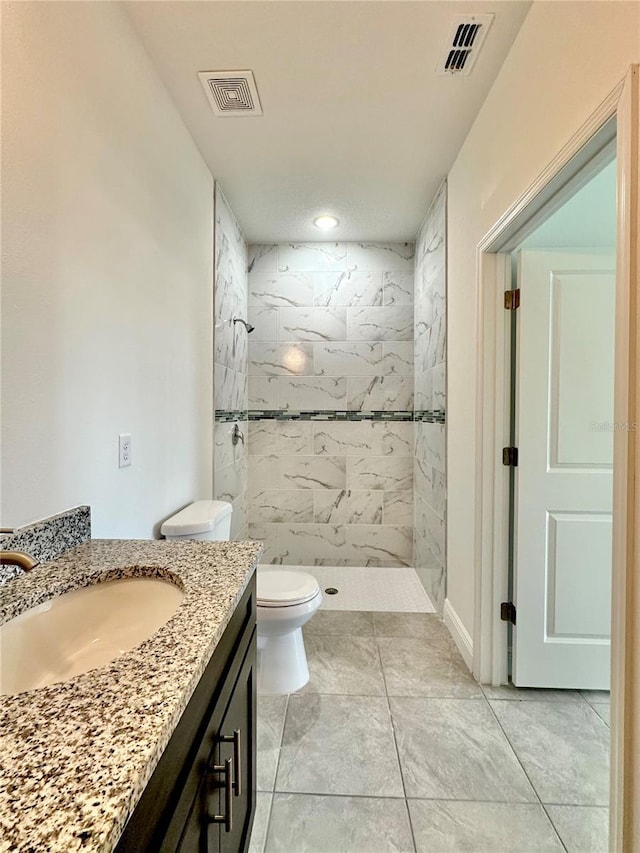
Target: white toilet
x=200 y=520
x=286 y=600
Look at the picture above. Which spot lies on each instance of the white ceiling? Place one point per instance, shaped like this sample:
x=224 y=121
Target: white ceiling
x=356 y=122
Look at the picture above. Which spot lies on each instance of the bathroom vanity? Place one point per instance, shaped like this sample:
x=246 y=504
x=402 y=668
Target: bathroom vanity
x=154 y=751
x=201 y=796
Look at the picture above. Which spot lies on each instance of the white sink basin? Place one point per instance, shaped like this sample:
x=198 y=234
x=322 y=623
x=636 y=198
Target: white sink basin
x=81 y=630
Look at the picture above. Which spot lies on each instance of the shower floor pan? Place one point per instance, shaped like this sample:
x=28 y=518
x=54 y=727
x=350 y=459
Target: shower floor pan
x=395 y=589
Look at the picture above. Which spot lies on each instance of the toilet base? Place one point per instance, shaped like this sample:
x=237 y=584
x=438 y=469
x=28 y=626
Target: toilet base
x=282 y=663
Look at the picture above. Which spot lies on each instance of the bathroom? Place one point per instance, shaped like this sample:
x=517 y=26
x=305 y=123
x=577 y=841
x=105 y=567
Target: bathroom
x=109 y=264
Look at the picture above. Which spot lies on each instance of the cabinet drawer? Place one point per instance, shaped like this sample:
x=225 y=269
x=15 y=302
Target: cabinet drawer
x=158 y=822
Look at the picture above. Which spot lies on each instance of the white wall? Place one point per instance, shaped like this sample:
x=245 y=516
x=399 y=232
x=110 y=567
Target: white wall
x=107 y=220
x=566 y=59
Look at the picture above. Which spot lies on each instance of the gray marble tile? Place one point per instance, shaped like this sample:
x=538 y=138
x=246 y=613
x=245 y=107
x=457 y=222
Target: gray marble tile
x=440 y=825
x=398 y=507
x=354 y=623
x=271 y=714
x=281 y=506
x=348 y=507
x=263 y=472
x=312 y=324
x=398 y=288
x=305 y=544
x=348 y=359
x=312 y=257
x=583 y=829
x=389 y=473
x=262 y=258
x=431 y=528
x=455 y=749
x=268 y=535
x=265 y=321
x=239 y=519
x=418 y=626
x=436 y=343
x=430 y=444
x=225 y=452
x=423 y=400
x=351 y=288
x=317 y=755
x=312 y=392
x=397 y=358
x=263 y=392
x=381 y=256
x=231 y=343
x=364 y=438
x=280 y=437
x=350 y=668
x=230 y=390
x=397 y=439
x=313 y=472
x=423 y=477
x=439 y=387
x=394 y=323
x=283 y=290
x=303 y=823
x=380 y=393
x=529 y=694
x=231 y=481
x=272 y=359
x=389 y=545
x=415 y=667
x=260 y=822
x=563 y=746
x=439 y=492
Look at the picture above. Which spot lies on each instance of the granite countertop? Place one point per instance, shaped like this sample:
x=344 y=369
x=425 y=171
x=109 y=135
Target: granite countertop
x=76 y=756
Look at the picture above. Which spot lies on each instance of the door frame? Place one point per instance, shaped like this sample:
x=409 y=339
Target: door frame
x=620 y=108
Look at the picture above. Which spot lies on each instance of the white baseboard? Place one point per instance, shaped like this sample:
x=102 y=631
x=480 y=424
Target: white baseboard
x=461 y=636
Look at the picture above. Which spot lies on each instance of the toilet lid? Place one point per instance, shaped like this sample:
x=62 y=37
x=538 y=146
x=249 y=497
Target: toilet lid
x=280 y=588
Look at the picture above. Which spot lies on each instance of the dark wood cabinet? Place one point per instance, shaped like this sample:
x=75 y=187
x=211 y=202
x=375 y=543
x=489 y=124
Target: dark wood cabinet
x=201 y=797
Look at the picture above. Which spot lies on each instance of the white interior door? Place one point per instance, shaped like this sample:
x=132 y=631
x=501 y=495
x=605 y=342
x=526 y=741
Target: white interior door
x=563 y=499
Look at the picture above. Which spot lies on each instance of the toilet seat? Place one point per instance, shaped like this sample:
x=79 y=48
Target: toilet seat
x=285 y=589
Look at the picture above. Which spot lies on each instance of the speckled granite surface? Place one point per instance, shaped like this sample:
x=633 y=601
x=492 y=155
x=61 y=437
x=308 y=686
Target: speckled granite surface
x=76 y=756
x=48 y=538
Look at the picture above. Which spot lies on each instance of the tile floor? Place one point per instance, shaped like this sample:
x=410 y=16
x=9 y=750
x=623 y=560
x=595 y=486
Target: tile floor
x=392 y=746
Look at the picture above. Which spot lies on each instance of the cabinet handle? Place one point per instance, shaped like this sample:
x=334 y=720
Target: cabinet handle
x=237 y=759
x=226 y=819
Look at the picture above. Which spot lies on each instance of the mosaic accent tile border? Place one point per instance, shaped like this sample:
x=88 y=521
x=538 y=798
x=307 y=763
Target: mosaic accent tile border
x=223 y=417
x=434 y=416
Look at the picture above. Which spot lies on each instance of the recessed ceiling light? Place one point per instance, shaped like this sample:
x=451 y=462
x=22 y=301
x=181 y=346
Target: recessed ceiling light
x=326 y=222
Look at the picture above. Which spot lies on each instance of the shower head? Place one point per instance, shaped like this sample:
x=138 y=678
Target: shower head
x=247 y=326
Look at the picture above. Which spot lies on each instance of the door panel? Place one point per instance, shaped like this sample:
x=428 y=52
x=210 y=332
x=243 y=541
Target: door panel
x=562 y=571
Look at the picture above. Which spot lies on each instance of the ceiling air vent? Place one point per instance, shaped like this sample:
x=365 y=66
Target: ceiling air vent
x=231 y=93
x=466 y=37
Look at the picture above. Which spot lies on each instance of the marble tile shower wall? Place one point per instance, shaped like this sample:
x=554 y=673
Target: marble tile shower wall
x=333 y=334
x=230 y=364
x=429 y=470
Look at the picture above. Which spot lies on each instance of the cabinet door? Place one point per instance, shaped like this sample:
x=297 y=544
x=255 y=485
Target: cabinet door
x=236 y=741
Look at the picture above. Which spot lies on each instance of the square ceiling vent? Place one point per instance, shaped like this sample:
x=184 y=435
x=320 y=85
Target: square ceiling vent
x=466 y=37
x=231 y=93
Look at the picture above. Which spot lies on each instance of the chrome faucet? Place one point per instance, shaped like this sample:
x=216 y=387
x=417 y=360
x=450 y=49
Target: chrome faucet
x=18 y=558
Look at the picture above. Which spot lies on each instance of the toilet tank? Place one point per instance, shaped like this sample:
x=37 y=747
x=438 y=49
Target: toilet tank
x=210 y=520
